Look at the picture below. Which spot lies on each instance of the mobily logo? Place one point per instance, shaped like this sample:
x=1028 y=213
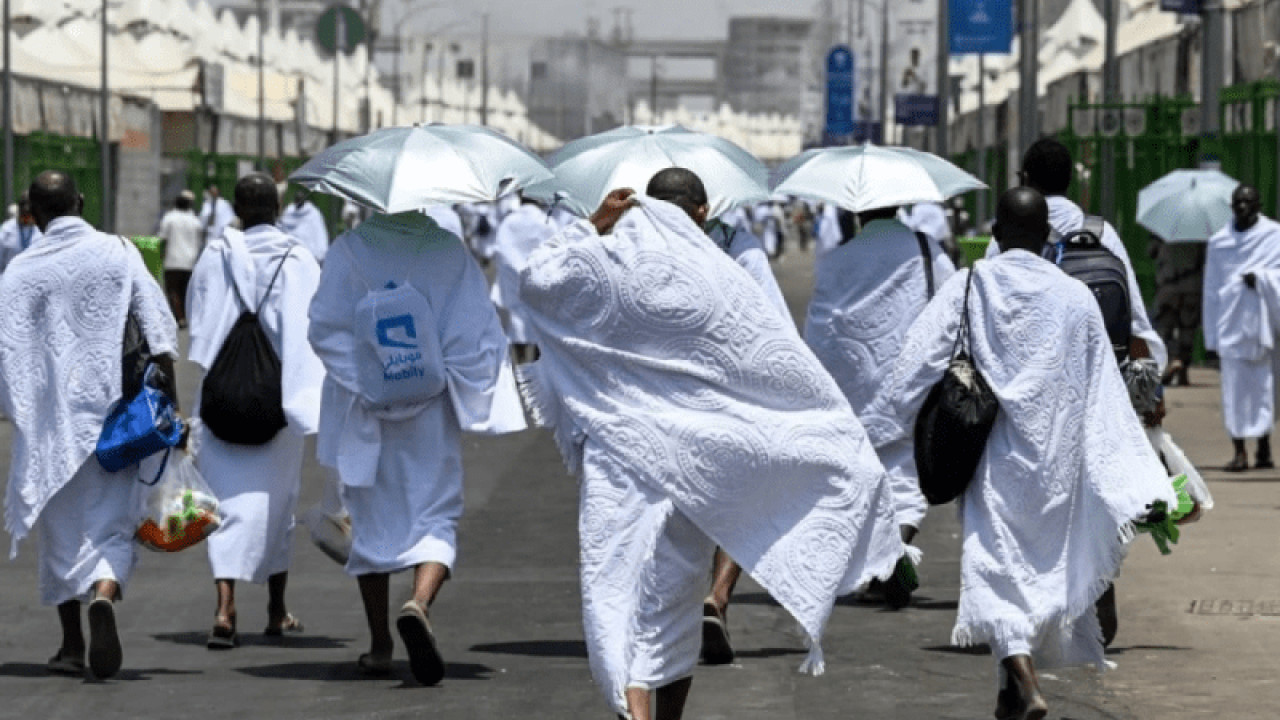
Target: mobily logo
x=397 y=332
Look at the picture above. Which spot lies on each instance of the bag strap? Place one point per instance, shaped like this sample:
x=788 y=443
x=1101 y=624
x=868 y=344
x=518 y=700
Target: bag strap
x=962 y=335
x=928 y=261
x=279 y=266
x=159 y=473
x=1095 y=225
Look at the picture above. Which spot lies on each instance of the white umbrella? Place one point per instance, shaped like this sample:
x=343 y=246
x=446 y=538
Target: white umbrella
x=867 y=177
x=586 y=170
x=1187 y=205
x=403 y=169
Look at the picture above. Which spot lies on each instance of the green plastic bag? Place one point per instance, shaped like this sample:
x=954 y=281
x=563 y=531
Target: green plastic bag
x=152 y=249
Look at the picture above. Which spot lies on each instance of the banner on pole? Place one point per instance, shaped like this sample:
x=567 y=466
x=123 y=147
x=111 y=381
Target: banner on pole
x=913 y=61
x=981 y=27
x=840 y=83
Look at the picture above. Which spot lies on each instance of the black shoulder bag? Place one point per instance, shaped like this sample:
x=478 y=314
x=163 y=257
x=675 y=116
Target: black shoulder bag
x=954 y=423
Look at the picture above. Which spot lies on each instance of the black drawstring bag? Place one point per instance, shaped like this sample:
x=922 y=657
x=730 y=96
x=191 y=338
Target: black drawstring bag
x=241 y=401
x=954 y=423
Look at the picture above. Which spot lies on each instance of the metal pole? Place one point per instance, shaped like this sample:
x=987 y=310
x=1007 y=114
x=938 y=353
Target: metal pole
x=337 y=65
x=7 y=111
x=586 y=100
x=104 y=107
x=884 y=73
x=1110 y=96
x=484 y=68
x=941 y=141
x=1029 y=87
x=981 y=215
x=653 y=88
x=1212 y=38
x=262 y=89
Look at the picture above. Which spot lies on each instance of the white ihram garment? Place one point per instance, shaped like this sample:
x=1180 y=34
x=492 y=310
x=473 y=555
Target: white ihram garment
x=306 y=224
x=1048 y=515
x=66 y=300
x=1234 y=318
x=1066 y=217
x=401 y=475
x=746 y=250
x=866 y=293
x=521 y=232
x=256 y=485
x=696 y=417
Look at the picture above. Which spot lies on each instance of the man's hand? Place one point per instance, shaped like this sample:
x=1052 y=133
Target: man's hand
x=1250 y=280
x=615 y=205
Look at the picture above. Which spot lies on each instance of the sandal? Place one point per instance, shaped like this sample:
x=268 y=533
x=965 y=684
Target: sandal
x=424 y=658
x=290 y=624
x=374 y=668
x=223 y=636
x=61 y=664
x=105 y=653
x=716 y=649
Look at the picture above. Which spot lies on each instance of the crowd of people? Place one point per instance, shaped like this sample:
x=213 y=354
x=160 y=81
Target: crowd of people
x=712 y=437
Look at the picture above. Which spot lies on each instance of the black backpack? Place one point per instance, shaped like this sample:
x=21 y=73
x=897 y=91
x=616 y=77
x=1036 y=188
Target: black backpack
x=1081 y=255
x=240 y=399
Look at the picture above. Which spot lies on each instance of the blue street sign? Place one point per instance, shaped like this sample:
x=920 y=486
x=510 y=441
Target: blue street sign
x=1189 y=7
x=981 y=26
x=840 y=67
x=915 y=109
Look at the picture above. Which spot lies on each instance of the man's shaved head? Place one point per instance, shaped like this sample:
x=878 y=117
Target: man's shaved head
x=1246 y=205
x=1022 y=220
x=257 y=202
x=53 y=194
x=681 y=187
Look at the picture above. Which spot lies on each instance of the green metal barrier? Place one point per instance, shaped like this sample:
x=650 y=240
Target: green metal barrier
x=152 y=249
x=205 y=169
x=1247 y=147
x=78 y=157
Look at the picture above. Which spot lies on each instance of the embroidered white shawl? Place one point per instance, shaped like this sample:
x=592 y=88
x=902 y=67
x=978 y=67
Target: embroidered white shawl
x=520 y=233
x=65 y=303
x=669 y=357
x=1067 y=469
x=231 y=276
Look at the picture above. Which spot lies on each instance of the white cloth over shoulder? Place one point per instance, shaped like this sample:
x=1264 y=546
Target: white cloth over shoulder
x=447 y=218
x=1066 y=217
x=408 y=248
x=1231 y=253
x=1048 y=515
x=746 y=250
x=306 y=223
x=66 y=300
x=866 y=293
x=14 y=239
x=662 y=353
x=521 y=232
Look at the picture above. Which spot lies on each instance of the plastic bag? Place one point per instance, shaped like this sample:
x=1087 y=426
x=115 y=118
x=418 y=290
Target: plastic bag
x=179 y=510
x=1179 y=464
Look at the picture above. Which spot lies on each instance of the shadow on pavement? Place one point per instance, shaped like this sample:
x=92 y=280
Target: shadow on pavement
x=303 y=642
x=754 y=598
x=765 y=653
x=346 y=670
x=38 y=670
x=982 y=649
x=537 y=648
x=1135 y=648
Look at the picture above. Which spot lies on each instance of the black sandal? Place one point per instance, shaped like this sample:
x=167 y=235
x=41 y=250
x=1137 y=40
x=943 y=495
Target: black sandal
x=223 y=637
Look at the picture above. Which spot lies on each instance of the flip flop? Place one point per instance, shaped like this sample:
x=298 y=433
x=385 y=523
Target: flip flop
x=424 y=658
x=105 y=653
x=65 y=665
x=223 y=637
x=290 y=624
x=716 y=649
x=374 y=668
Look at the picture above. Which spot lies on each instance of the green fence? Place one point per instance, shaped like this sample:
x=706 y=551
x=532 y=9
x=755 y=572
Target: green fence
x=205 y=169
x=1150 y=140
x=1248 y=145
x=79 y=157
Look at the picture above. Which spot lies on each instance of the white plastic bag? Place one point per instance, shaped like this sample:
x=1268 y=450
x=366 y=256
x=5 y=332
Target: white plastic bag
x=179 y=510
x=1180 y=464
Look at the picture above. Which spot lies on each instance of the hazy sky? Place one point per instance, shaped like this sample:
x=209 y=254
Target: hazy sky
x=652 y=18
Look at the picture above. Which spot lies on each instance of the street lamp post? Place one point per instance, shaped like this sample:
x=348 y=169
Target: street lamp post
x=262 y=88
x=7 y=111
x=1029 y=87
x=104 y=148
x=1110 y=95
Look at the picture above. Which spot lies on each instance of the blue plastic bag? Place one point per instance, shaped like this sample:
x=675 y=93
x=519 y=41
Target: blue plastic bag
x=138 y=427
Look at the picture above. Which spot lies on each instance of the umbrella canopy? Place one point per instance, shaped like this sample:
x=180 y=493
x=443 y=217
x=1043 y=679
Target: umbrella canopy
x=586 y=170
x=402 y=169
x=1187 y=205
x=867 y=177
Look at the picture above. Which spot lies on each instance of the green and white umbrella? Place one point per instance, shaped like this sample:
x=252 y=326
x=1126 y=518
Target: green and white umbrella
x=404 y=169
x=868 y=177
x=1187 y=205
x=586 y=170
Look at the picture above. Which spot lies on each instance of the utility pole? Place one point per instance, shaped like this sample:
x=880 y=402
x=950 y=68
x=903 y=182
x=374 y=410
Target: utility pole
x=884 y=73
x=653 y=89
x=1029 y=87
x=262 y=92
x=944 y=80
x=1110 y=96
x=1212 y=37
x=484 y=68
x=7 y=111
x=981 y=217
x=104 y=138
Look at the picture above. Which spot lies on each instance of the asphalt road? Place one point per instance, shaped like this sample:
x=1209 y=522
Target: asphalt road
x=509 y=623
